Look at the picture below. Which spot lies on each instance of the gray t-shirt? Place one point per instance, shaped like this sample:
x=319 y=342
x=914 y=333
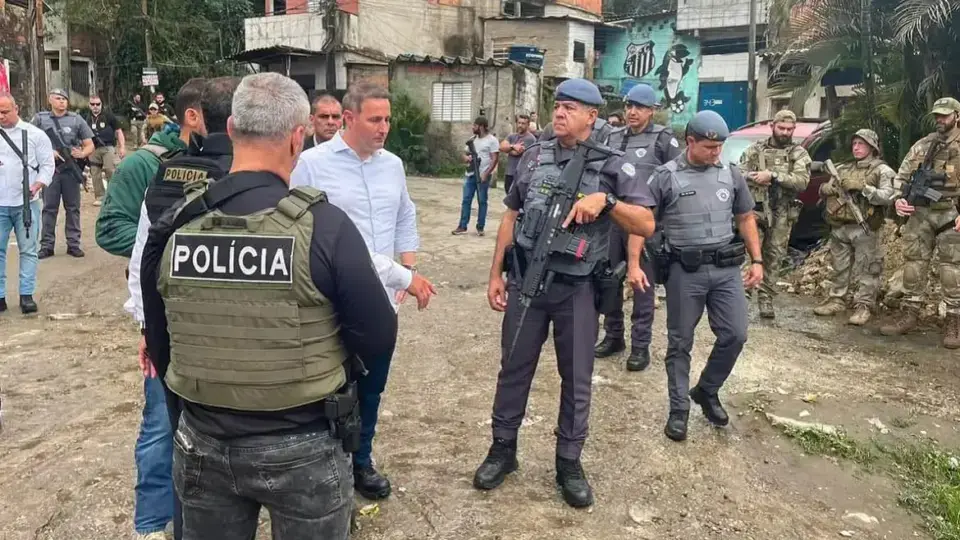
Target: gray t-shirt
x=528 y=140
x=486 y=147
x=73 y=129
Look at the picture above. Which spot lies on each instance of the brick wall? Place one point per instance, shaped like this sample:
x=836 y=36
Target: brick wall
x=375 y=74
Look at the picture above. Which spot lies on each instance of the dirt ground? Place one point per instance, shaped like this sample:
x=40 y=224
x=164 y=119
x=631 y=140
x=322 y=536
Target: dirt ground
x=72 y=397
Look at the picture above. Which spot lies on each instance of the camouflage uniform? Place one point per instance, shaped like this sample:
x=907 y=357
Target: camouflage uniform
x=932 y=225
x=857 y=255
x=776 y=210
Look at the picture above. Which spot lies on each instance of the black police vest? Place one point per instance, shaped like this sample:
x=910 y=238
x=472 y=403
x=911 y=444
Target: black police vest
x=167 y=186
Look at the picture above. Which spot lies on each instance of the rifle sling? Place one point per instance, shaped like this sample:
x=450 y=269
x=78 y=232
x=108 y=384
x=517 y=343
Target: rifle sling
x=20 y=154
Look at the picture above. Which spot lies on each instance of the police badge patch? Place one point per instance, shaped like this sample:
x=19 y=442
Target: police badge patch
x=674 y=143
x=641 y=152
x=237 y=259
x=723 y=194
x=628 y=169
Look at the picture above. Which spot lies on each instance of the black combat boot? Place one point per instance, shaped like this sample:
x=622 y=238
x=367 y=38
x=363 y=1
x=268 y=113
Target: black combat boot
x=27 y=305
x=711 y=406
x=609 y=346
x=573 y=483
x=370 y=484
x=45 y=253
x=75 y=252
x=3 y=305
x=501 y=460
x=676 y=428
x=639 y=359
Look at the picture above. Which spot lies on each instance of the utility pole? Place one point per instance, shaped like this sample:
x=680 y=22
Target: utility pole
x=66 y=54
x=146 y=37
x=38 y=73
x=752 y=65
x=866 y=46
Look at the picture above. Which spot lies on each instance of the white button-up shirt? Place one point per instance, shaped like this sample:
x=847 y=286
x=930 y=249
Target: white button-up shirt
x=373 y=192
x=39 y=161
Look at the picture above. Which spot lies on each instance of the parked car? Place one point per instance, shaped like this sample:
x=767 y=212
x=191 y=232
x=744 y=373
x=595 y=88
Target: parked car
x=815 y=136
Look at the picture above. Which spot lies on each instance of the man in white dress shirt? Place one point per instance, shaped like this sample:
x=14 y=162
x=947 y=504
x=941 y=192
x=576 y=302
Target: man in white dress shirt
x=38 y=158
x=369 y=184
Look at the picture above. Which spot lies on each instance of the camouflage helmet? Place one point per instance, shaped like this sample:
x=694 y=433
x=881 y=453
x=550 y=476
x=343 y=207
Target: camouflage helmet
x=870 y=137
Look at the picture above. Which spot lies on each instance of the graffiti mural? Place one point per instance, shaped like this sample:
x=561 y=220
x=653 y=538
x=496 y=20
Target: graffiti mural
x=676 y=64
x=653 y=52
x=640 y=59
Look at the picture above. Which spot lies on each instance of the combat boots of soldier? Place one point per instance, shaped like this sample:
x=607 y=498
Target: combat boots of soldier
x=951 y=331
x=639 y=359
x=907 y=320
x=609 y=346
x=711 y=406
x=861 y=314
x=765 y=303
x=573 y=484
x=676 y=427
x=501 y=460
x=830 y=307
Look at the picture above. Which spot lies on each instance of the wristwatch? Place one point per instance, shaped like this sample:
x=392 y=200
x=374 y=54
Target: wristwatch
x=411 y=267
x=611 y=202
x=756 y=261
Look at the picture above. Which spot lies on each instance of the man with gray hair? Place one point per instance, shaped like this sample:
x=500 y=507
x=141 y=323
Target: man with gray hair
x=259 y=301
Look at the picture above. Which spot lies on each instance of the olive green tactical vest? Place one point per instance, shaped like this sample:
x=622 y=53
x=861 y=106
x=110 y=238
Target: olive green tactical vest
x=248 y=328
x=836 y=213
x=774 y=160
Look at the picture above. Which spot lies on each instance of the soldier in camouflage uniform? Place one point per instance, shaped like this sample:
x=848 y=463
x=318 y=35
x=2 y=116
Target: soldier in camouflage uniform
x=932 y=224
x=777 y=170
x=856 y=254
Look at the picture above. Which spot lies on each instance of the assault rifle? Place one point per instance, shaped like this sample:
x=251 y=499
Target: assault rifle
x=474 y=159
x=27 y=211
x=68 y=162
x=845 y=197
x=552 y=240
x=919 y=190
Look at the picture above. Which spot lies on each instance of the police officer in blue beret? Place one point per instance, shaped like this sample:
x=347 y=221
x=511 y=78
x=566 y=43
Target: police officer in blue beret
x=601 y=128
x=698 y=199
x=612 y=192
x=646 y=145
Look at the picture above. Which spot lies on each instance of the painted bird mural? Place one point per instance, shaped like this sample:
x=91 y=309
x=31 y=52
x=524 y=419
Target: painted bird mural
x=676 y=64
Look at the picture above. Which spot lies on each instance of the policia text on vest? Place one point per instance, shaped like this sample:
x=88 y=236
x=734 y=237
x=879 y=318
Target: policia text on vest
x=246 y=259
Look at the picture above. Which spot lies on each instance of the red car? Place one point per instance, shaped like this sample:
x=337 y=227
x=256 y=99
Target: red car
x=814 y=135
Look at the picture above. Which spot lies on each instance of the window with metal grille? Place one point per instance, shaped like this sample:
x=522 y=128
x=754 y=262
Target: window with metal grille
x=451 y=102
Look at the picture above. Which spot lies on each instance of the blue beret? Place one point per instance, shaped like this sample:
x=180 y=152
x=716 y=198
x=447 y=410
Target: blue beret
x=642 y=94
x=710 y=125
x=580 y=90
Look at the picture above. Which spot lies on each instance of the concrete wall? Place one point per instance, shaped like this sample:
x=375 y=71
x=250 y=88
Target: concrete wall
x=701 y=14
x=427 y=27
x=590 y=6
x=376 y=74
x=556 y=36
x=651 y=51
x=768 y=103
x=302 y=30
x=726 y=67
x=393 y=27
x=500 y=92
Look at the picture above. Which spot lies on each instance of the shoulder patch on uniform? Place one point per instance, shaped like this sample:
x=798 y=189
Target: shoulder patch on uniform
x=628 y=169
x=184 y=174
x=723 y=194
x=236 y=259
x=674 y=143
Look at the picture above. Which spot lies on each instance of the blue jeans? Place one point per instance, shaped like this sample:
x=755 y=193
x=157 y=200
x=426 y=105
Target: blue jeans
x=471 y=187
x=11 y=219
x=154 y=458
x=369 y=389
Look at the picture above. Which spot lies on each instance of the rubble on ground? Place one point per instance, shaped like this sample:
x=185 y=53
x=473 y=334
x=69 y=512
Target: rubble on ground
x=813 y=275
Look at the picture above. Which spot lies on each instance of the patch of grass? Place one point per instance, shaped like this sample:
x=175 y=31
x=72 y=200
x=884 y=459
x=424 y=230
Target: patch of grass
x=930 y=478
x=902 y=422
x=838 y=445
